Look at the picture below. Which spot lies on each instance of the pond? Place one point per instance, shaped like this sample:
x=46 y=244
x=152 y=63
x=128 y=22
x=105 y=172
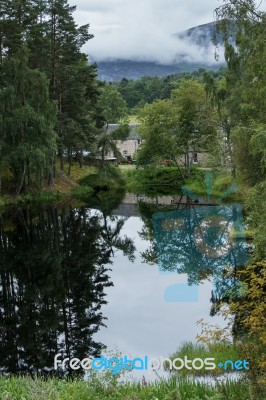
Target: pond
x=109 y=271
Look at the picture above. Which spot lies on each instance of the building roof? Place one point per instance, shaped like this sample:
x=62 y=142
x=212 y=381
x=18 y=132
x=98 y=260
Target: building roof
x=133 y=135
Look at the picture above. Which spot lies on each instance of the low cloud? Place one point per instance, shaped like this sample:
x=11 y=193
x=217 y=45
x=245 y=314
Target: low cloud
x=142 y=30
x=159 y=48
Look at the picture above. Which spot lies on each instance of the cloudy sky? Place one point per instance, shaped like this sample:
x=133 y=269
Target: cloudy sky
x=142 y=29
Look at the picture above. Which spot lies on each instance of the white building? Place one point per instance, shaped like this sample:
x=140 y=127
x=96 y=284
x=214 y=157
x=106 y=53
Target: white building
x=128 y=147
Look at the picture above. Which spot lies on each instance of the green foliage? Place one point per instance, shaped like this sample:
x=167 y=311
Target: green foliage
x=108 y=177
x=48 y=91
x=249 y=309
x=196 y=119
x=245 y=88
x=28 y=141
x=249 y=151
x=114 y=108
x=223 y=188
x=148 y=89
x=82 y=192
x=218 y=350
x=222 y=183
x=155 y=180
x=253 y=304
x=158 y=122
x=256 y=217
x=175 y=129
x=172 y=389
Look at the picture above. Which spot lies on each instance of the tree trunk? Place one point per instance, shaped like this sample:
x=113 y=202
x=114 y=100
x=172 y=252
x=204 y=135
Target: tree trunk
x=70 y=158
x=51 y=172
x=22 y=181
x=187 y=163
x=1 y=48
x=81 y=159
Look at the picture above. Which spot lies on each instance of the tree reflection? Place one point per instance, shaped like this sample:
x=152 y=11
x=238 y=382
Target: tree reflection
x=54 y=271
x=196 y=241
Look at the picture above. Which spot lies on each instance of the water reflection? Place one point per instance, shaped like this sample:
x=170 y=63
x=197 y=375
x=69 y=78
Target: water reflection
x=55 y=271
x=54 y=266
x=196 y=241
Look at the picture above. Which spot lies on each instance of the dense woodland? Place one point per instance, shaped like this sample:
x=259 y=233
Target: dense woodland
x=48 y=89
x=147 y=89
x=53 y=108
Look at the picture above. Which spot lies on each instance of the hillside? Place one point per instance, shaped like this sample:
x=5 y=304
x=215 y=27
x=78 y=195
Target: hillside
x=115 y=70
x=202 y=35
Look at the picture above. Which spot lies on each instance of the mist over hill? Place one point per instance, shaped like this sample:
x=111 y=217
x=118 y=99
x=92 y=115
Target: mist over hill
x=112 y=71
x=199 y=54
x=201 y=35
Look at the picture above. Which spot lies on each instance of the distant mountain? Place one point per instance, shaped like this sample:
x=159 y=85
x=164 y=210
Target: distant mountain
x=202 y=35
x=115 y=70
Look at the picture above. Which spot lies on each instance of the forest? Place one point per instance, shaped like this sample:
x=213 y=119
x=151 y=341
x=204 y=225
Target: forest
x=48 y=91
x=55 y=116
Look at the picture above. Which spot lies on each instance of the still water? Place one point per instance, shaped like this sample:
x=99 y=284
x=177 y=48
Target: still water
x=76 y=278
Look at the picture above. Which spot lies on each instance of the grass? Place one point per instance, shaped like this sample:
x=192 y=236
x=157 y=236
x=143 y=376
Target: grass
x=169 y=180
x=149 y=180
x=133 y=119
x=109 y=177
x=104 y=386
x=23 y=388
x=220 y=351
x=127 y=167
x=64 y=186
x=153 y=180
x=248 y=234
x=215 y=187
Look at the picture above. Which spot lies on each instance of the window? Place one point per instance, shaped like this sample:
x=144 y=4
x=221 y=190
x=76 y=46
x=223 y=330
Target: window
x=195 y=158
x=124 y=152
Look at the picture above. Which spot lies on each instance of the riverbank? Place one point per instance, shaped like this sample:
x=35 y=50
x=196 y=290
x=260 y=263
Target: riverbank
x=64 y=187
x=202 y=183
x=150 y=181
x=172 y=389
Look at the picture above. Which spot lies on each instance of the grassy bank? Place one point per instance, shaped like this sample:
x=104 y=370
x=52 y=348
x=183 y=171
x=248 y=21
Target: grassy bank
x=38 y=389
x=220 y=351
x=221 y=187
x=150 y=180
x=81 y=182
x=202 y=183
x=154 y=180
x=64 y=186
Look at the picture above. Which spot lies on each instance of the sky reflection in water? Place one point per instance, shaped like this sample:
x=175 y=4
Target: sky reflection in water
x=140 y=321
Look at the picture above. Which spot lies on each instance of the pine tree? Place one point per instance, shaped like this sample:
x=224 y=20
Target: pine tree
x=27 y=119
x=54 y=43
x=72 y=79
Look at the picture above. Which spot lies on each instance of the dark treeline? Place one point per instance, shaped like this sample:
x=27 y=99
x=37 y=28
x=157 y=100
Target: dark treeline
x=147 y=89
x=48 y=90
